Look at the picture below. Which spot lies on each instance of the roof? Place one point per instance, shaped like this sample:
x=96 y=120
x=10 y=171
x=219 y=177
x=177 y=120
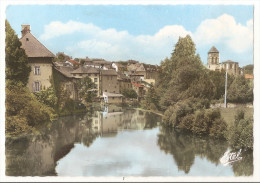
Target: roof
x=249 y=76
x=85 y=70
x=137 y=85
x=213 y=50
x=112 y=94
x=74 y=62
x=33 y=47
x=229 y=61
x=109 y=73
x=65 y=70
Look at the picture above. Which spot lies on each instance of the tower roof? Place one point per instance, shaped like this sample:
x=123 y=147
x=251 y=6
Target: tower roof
x=213 y=50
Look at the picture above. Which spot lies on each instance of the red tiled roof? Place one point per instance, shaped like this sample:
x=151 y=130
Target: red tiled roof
x=74 y=62
x=249 y=76
x=137 y=85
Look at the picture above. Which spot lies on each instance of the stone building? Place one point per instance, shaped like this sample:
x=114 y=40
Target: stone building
x=213 y=59
x=92 y=73
x=232 y=67
x=40 y=59
x=109 y=81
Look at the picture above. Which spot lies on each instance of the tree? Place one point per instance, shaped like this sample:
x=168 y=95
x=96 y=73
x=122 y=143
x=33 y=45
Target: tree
x=248 y=69
x=183 y=75
x=129 y=93
x=86 y=89
x=17 y=67
x=23 y=111
x=240 y=91
x=241 y=132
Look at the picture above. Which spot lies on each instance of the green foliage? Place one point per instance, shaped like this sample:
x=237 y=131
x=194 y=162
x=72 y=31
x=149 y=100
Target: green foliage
x=152 y=99
x=241 y=132
x=194 y=115
x=183 y=76
x=23 y=111
x=17 y=67
x=240 y=91
x=218 y=80
x=248 y=69
x=86 y=90
x=129 y=93
x=47 y=97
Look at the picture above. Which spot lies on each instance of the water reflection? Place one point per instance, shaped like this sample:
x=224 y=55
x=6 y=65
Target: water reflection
x=185 y=147
x=38 y=154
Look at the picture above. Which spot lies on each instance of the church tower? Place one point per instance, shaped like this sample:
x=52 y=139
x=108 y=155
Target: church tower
x=213 y=59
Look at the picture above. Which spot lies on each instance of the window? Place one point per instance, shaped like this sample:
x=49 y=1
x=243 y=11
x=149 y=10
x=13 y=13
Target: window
x=37 y=70
x=89 y=74
x=95 y=74
x=95 y=80
x=36 y=86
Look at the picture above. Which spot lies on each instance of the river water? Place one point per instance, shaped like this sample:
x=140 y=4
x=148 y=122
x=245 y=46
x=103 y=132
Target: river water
x=118 y=142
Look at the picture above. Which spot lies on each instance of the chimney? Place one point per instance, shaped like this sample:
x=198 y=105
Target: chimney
x=25 y=29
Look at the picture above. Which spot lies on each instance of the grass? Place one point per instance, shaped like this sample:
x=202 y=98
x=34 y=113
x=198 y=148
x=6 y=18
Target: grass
x=229 y=113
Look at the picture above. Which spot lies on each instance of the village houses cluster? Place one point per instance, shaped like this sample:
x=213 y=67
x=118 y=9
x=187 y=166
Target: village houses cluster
x=110 y=78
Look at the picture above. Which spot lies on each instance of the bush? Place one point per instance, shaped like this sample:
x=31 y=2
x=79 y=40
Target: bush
x=240 y=91
x=193 y=115
x=241 y=132
x=129 y=93
x=23 y=111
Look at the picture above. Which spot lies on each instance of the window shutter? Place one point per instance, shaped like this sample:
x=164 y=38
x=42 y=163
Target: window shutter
x=39 y=70
x=34 y=70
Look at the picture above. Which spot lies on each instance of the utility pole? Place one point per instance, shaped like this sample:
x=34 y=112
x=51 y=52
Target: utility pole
x=225 y=97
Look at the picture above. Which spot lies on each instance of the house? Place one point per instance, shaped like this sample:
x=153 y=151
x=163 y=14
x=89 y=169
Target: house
x=40 y=59
x=67 y=81
x=112 y=98
x=109 y=81
x=124 y=82
x=139 y=89
x=213 y=59
x=92 y=73
x=249 y=76
x=141 y=71
x=232 y=67
x=73 y=63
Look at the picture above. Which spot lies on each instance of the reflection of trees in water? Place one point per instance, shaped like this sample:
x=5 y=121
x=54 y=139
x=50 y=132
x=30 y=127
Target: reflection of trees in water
x=245 y=166
x=36 y=155
x=184 y=148
x=151 y=120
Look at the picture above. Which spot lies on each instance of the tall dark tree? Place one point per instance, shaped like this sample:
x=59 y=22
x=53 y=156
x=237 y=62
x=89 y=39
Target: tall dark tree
x=17 y=68
x=183 y=75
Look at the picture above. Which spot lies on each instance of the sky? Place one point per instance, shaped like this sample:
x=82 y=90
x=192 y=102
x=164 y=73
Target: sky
x=146 y=33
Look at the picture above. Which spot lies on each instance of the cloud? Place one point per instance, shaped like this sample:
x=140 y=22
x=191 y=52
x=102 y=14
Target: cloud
x=112 y=44
x=227 y=31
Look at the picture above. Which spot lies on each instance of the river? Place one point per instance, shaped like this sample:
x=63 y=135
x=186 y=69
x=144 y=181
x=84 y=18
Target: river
x=118 y=142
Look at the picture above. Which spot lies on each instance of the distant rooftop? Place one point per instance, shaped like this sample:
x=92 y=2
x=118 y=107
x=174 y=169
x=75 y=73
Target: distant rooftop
x=213 y=50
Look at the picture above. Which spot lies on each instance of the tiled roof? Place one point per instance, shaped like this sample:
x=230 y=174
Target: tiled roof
x=249 y=76
x=137 y=85
x=33 y=47
x=74 y=62
x=65 y=70
x=213 y=50
x=84 y=70
x=109 y=72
